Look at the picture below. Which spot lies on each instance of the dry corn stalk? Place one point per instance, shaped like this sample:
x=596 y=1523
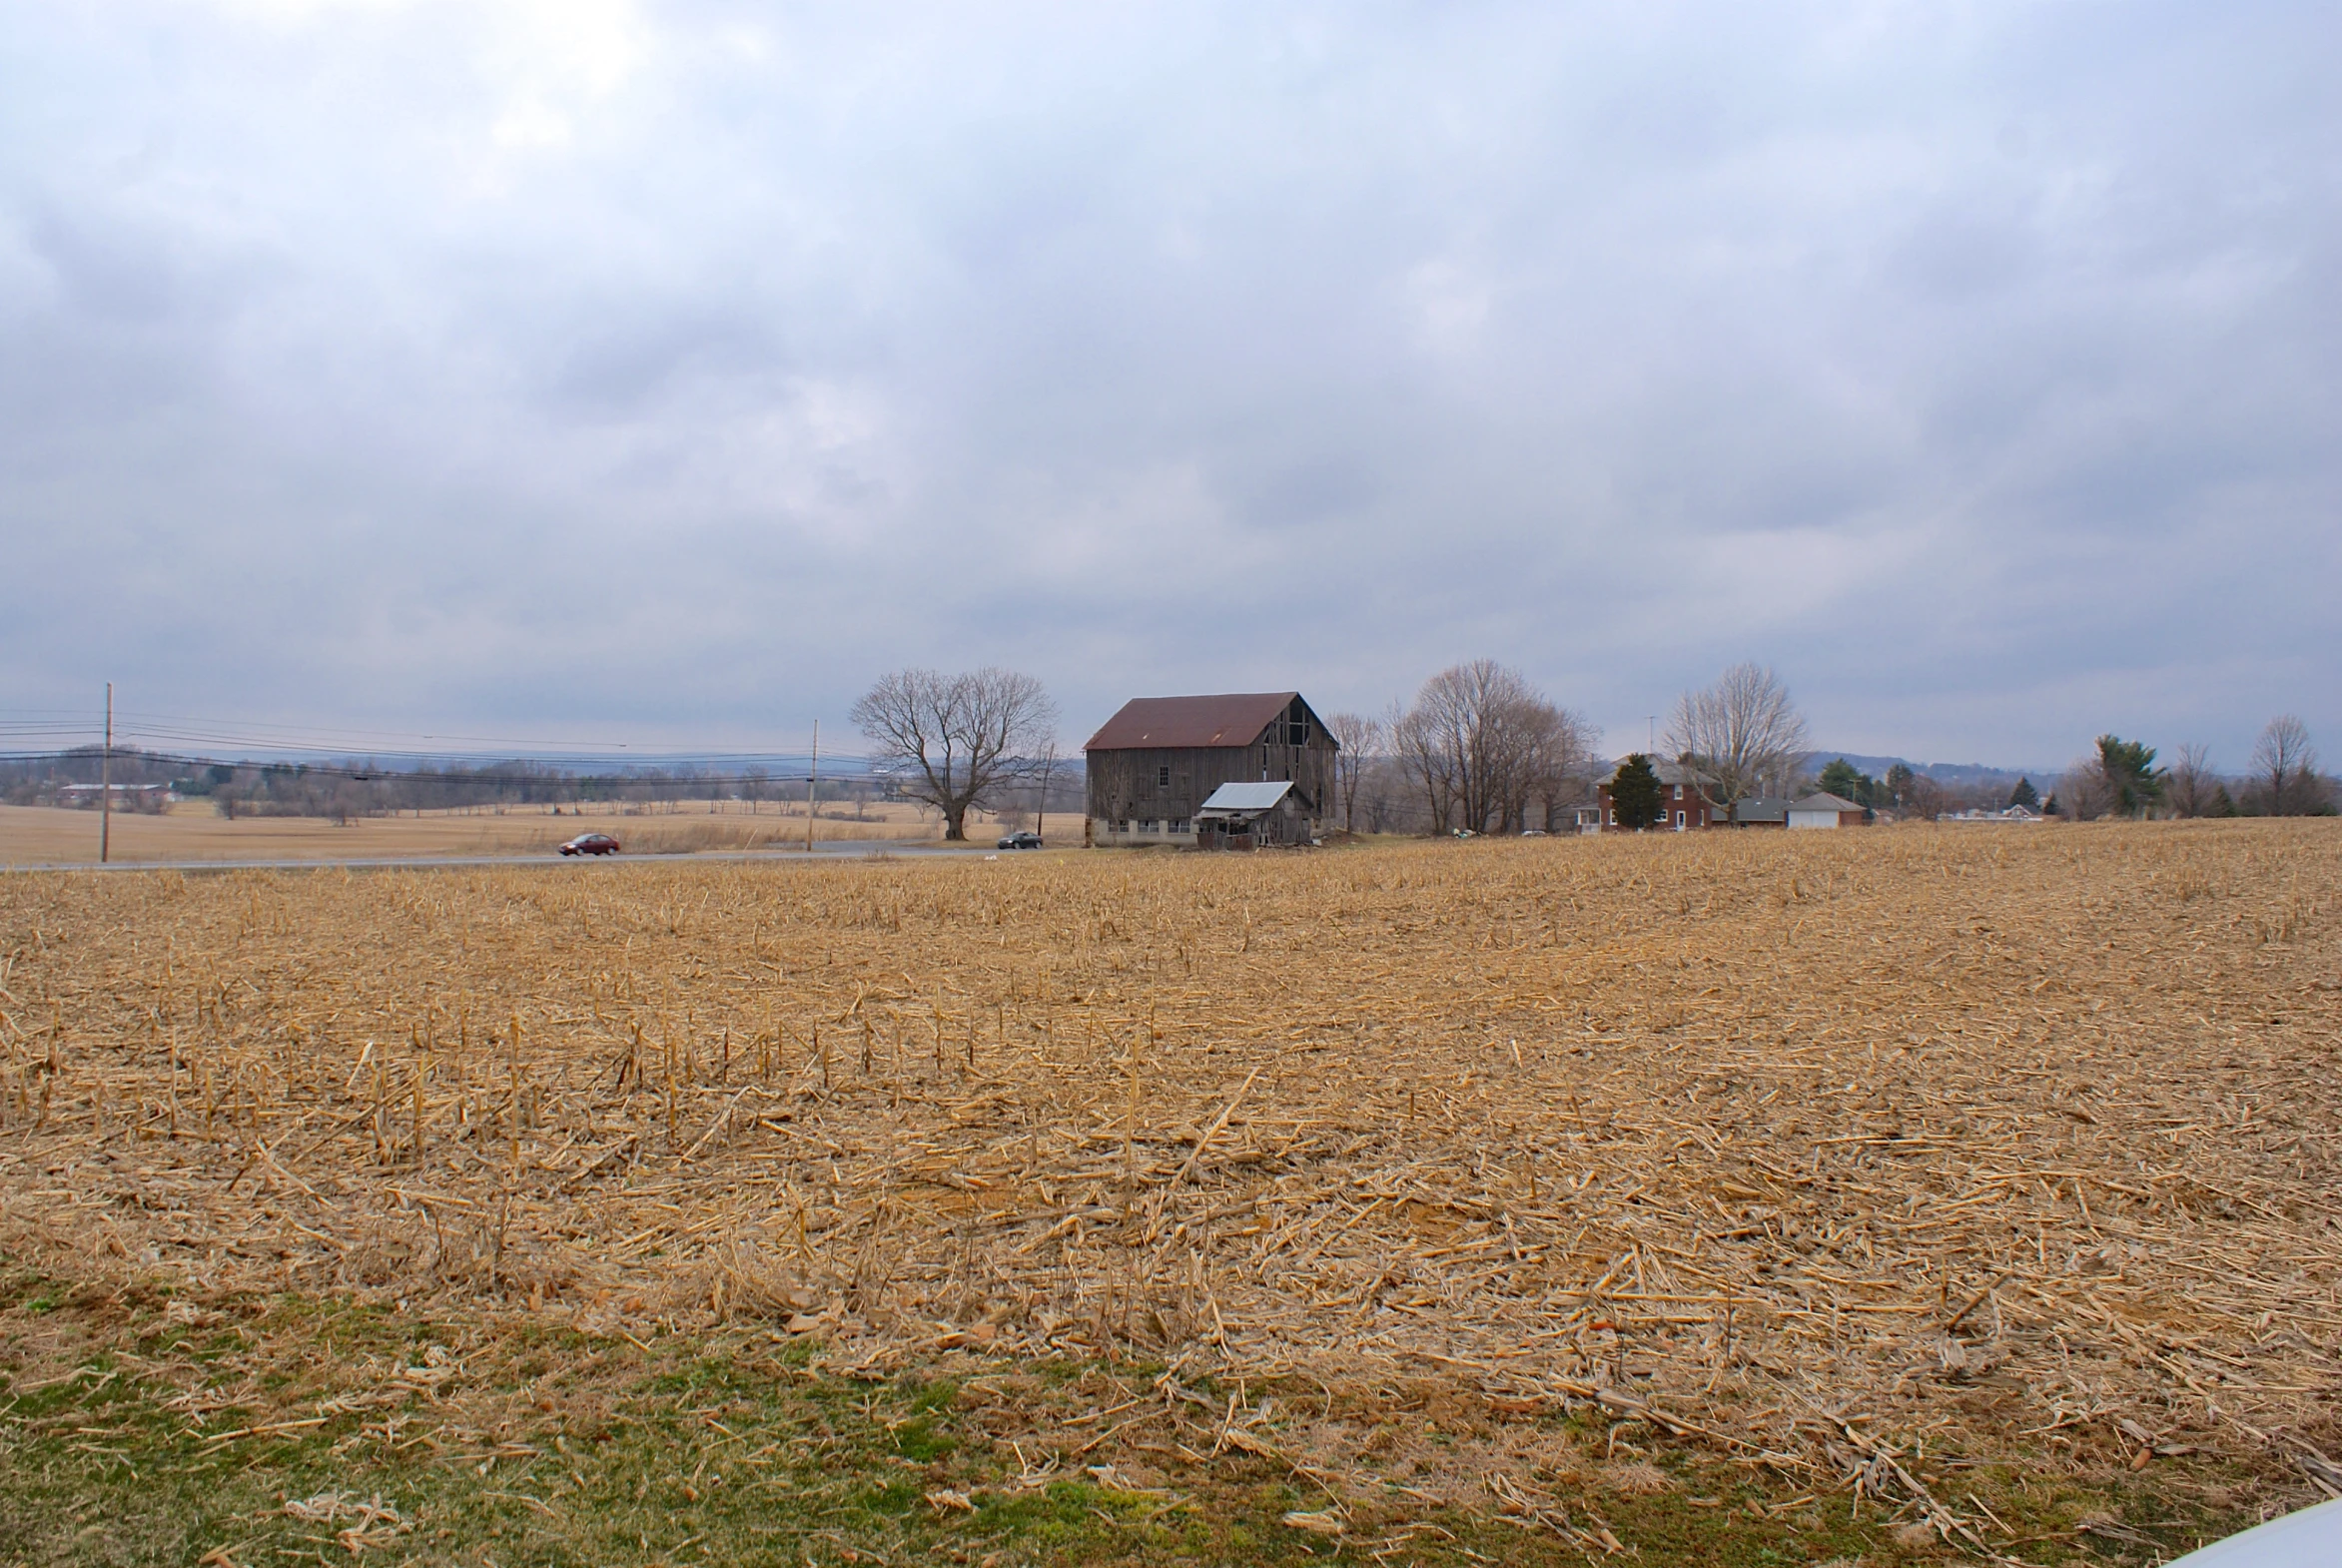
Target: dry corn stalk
x=2009 y=1132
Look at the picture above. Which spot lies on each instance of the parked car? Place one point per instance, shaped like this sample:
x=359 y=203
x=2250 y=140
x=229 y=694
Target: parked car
x=1021 y=841
x=591 y=844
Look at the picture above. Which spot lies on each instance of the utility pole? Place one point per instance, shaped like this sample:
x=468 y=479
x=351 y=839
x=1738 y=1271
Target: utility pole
x=106 y=783
x=812 y=786
x=1654 y=741
x=1048 y=765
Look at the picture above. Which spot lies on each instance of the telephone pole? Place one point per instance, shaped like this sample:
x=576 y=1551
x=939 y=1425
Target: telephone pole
x=812 y=786
x=106 y=783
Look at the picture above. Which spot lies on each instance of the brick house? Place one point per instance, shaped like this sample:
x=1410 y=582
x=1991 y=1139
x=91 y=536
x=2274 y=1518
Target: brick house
x=1679 y=796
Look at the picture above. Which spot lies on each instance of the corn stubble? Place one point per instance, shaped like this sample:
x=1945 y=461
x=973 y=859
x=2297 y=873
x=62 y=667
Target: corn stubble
x=1777 y=1141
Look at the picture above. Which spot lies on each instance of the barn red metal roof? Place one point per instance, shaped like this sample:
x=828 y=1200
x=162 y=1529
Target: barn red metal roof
x=1236 y=719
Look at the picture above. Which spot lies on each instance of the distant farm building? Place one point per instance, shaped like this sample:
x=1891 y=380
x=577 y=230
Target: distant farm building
x=1979 y=814
x=1683 y=807
x=1756 y=811
x=1158 y=764
x=147 y=796
x=1826 y=811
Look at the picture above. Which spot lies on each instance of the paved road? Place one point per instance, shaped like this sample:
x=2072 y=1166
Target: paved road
x=836 y=849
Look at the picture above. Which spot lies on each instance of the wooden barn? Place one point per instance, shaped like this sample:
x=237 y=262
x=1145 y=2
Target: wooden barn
x=1157 y=761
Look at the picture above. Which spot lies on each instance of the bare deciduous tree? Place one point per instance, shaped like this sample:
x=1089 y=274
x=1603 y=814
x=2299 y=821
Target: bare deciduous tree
x=1738 y=734
x=2082 y=793
x=2285 y=768
x=1360 y=739
x=963 y=737
x=2194 y=789
x=1560 y=766
x=1925 y=799
x=1481 y=742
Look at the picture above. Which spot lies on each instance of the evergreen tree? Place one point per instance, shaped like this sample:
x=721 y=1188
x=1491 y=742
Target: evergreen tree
x=2026 y=795
x=1847 y=782
x=2130 y=775
x=1899 y=780
x=1636 y=796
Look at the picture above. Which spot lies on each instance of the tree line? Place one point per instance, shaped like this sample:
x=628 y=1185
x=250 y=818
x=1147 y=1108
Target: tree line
x=2121 y=778
x=1480 y=749
x=359 y=787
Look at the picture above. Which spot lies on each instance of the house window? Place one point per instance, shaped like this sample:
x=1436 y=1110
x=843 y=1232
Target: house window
x=1162 y=779
x=1679 y=796
x=1614 y=819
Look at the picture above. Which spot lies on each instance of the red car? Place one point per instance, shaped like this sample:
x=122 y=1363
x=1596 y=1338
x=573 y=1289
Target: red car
x=591 y=844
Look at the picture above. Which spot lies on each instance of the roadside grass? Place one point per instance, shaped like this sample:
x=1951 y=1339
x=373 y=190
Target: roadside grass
x=142 y=1428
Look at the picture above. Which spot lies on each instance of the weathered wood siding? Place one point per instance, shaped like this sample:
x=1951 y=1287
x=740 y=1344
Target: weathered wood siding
x=1169 y=784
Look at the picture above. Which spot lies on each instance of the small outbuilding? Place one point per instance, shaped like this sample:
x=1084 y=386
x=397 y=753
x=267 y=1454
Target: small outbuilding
x=1826 y=811
x=1756 y=811
x=1246 y=816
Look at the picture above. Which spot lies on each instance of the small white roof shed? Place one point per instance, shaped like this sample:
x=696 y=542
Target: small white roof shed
x=1819 y=811
x=1244 y=800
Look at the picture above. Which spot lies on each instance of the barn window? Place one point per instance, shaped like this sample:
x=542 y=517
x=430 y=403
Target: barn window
x=1178 y=824
x=1297 y=733
x=1162 y=779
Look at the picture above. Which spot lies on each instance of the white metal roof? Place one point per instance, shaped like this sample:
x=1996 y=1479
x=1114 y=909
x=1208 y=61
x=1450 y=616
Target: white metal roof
x=1234 y=797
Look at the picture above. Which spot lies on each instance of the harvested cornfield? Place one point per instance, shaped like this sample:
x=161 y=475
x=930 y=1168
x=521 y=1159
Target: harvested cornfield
x=2004 y=1137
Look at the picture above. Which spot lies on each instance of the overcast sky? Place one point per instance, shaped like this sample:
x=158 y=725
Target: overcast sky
x=665 y=373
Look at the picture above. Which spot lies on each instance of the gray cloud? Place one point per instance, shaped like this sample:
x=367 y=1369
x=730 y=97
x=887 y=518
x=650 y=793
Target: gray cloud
x=685 y=366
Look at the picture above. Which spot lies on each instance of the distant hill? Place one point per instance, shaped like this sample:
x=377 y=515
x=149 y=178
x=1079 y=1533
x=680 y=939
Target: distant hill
x=1957 y=774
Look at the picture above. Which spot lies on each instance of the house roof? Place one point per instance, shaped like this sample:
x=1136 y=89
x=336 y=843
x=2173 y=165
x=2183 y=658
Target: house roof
x=1236 y=719
x=1244 y=799
x=1825 y=801
x=1760 y=808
